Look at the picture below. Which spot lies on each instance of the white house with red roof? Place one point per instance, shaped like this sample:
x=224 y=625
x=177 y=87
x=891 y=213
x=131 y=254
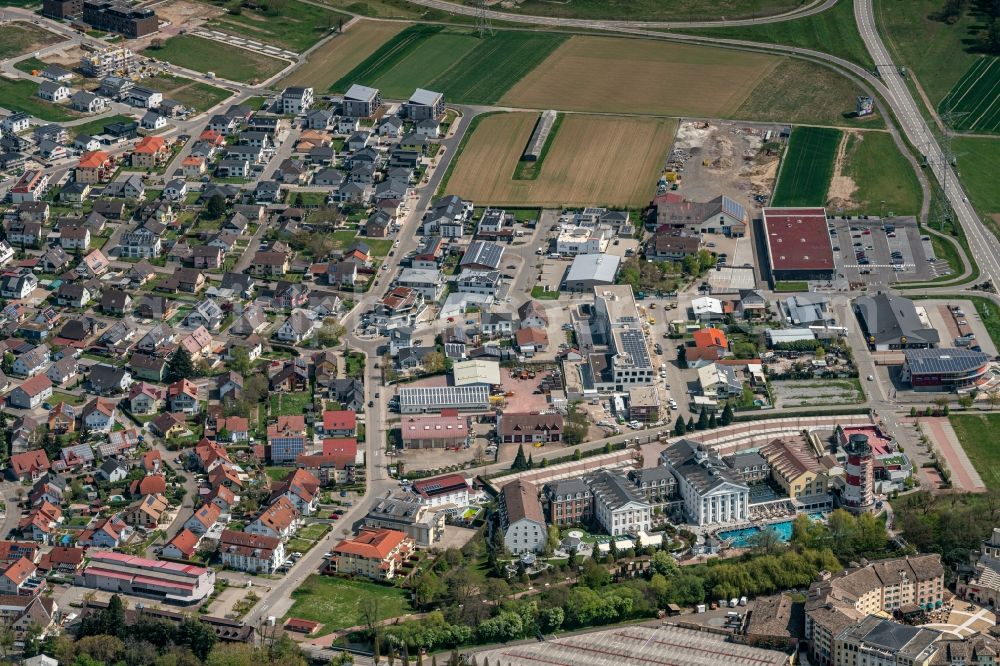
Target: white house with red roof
x=204 y=519
x=31 y=393
x=340 y=423
x=376 y=554
x=99 y=415
x=28 y=465
x=281 y=520
x=439 y=490
x=182 y=547
x=302 y=489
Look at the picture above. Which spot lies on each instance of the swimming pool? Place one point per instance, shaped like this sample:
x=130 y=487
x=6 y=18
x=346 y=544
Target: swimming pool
x=741 y=538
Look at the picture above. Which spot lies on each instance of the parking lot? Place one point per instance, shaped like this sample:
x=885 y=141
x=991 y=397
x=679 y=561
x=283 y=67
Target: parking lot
x=865 y=251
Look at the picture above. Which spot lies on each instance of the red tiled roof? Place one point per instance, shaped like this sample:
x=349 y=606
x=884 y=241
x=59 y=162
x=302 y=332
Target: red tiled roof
x=371 y=544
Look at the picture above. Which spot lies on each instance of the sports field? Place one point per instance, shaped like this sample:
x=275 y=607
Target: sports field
x=340 y=55
x=977 y=95
x=453 y=61
x=804 y=177
x=608 y=75
x=228 y=62
x=592 y=160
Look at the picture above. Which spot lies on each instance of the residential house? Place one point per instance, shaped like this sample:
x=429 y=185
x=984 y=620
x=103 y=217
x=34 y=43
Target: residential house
x=182 y=396
x=253 y=553
x=378 y=554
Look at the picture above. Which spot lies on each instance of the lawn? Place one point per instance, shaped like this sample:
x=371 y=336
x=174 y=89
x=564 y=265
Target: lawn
x=379 y=247
x=592 y=160
x=29 y=65
x=194 y=94
x=20 y=96
x=833 y=31
x=19 y=38
x=226 y=61
x=791 y=286
x=314 y=532
x=807 y=167
x=336 y=602
x=989 y=312
x=288 y=404
x=938 y=54
x=881 y=173
x=539 y=292
x=69 y=399
x=291 y=24
x=977 y=433
x=328 y=63
x=344 y=238
x=278 y=473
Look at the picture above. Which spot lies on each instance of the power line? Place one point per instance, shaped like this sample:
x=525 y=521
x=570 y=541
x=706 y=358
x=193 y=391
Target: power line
x=483 y=24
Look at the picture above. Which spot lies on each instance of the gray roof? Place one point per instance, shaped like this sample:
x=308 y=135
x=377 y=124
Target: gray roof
x=596 y=267
x=614 y=490
x=805 y=309
x=651 y=475
x=567 y=487
x=944 y=361
x=483 y=253
x=887 y=319
x=749 y=459
x=700 y=468
x=425 y=97
x=904 y=640
x=361 y=93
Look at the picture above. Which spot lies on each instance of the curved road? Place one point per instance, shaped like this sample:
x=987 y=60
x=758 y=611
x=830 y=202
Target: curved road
x=599 y=24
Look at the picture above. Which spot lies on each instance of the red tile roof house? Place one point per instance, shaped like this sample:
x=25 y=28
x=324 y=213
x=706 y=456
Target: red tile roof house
x=182 y=547
x=204 y=519
x=61 y=559
x=302 y=489
x=340 y=423
x=182 y=396
x=527 y=427
x=40 y=524
x=19 y=578
x=28 y=465
x=280 y=520
x=377 y=554
x=251 y=552
x=153 y=484
x=31 y=393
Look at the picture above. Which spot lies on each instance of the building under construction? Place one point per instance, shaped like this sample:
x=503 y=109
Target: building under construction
x=109 y=61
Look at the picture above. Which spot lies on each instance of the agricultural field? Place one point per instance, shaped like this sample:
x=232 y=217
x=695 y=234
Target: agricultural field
x=453 y=61
x=937 y=53
x=799 y=92
x=20 y=38
x=878 y=172
x=833 y=31
x=291 y=25
x=977 y=96
x=327 y=64
x=591 y=160
x=226 y=61
x=608 y=75
x=20 y=96
x=194 y=94
x=655 y=10
x=807 y=167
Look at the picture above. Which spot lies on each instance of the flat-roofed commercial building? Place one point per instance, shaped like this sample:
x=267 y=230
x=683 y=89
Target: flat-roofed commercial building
x=798 y=244
x=405 y=513
x=423 y=399
x=126 y=574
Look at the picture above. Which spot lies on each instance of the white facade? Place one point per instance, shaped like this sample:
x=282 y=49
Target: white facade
x=525 y=536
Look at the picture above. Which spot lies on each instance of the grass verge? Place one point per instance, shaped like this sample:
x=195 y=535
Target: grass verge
x=791 y=286
x=977 y=433
x=526 y=170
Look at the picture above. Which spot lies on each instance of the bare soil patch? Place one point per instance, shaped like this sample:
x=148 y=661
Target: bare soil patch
x=842 y=186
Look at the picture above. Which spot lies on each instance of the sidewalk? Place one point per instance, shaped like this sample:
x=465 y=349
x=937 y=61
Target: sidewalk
x=963 y=475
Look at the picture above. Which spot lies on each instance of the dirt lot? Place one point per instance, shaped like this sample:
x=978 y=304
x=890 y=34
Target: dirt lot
x=524 y=399
x=608 y=75
x=184 y=14
x=724 y=158
x=338 y=56
x=68 y=57
x=592 y=160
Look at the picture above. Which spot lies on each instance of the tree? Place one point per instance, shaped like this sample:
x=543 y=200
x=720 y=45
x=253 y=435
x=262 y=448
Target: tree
x=712 y=422
x=679 y=427
x=765 y=541
x=7 y=364
x=240 y=361
x=370 y=612
x=691 y=425
x=552 y=540
x=682 y=356
x=531 y=461
x=330 y=333
x=434 y=363
x=520 y=462
x=664 y=564
x=216 y=207
x=180 y=366
x=966 y=401
x=197 y=636
x=993 y=398
x=255 y=388
x=702 y=420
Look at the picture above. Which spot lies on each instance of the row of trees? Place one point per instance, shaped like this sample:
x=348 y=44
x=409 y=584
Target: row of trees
x=706 y=421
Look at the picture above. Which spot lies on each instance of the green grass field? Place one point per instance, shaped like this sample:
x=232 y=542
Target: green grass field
x=278 y=473
x=979 y=162
x=20 y=96
x=336 y=602
x=989 y=313
x=977 y=96
x=195 y=94
x=936 y=52
x=805 y=93
x=97 y=126
x=807 y=167
x=28 y=65
x=833 y=31
x=19 y=38
x=289 y=404
x=204 y=55
x=452 y=61
x=292 y=25
x=977 y=433
x=881 y=173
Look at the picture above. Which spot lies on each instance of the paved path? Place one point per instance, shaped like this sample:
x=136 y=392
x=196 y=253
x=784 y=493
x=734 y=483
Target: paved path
x=963 y=475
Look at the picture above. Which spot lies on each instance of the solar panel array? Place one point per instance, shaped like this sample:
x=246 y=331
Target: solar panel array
x=634 y=344
x=732 y=208
x=944 y=361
